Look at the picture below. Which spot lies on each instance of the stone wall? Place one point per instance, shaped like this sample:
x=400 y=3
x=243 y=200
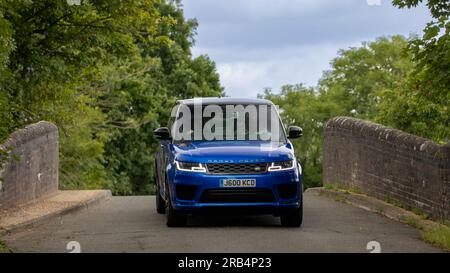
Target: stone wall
x=31 y=171
x=388 y=164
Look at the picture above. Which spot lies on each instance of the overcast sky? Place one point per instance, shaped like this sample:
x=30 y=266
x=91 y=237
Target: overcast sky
x=269 y=43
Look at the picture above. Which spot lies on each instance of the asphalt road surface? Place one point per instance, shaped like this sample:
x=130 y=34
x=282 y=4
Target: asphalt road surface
x=131 y=224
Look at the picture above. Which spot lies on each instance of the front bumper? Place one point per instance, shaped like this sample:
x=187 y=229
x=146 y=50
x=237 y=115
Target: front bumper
x=198 y=185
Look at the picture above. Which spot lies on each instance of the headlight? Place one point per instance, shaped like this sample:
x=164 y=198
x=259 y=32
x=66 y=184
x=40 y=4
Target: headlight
x=281 y=166
x=190 y=167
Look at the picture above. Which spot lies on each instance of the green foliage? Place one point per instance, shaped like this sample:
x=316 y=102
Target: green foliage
x=6 y=46
x=359 y=76
x=420 y=105
x=302 y=106
x=353 y=87
x=106 y=73
x=437 y=8
x=400 y=83
x=137 y=102
x=4 y=248
x=438 y=236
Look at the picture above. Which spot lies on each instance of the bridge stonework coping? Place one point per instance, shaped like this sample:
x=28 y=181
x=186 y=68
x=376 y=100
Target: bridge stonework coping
x=31 y=171
x=391 y=165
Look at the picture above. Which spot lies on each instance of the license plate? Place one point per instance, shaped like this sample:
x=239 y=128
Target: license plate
x=238 y=183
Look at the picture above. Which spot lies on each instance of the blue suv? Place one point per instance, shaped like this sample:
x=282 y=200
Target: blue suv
x=224 y=154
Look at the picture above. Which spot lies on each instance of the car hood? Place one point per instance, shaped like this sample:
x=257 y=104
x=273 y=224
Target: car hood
x=232 y=151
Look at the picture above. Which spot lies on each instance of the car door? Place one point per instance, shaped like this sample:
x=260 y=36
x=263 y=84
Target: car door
x=159 y=167
x=164 y=158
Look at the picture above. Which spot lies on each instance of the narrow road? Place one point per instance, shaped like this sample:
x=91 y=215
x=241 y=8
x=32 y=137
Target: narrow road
x=131 y=224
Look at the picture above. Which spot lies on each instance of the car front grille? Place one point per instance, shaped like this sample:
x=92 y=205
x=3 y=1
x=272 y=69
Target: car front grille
x=236 y=168
x=237 y=196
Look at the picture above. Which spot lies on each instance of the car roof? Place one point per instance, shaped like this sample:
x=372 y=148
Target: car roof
x=231 y=101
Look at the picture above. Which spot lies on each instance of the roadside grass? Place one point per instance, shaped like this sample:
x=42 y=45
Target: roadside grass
x=4 y=248
x=412 y=221
x=421 y=214
x=438 y=236
x=329 y=186
x=347 y=190
x=355 y=189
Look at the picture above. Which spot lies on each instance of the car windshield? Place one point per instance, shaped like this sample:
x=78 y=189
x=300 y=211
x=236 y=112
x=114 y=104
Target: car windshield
x=234 y=122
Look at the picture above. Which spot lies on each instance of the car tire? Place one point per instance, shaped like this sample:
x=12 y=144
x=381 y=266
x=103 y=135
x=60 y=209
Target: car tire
x=293 y=218
x=174 y=218
x=160 y=203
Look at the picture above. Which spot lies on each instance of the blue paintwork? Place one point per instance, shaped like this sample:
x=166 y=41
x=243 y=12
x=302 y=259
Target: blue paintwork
x=231 y=152
x=226 y=152
x=205 y=181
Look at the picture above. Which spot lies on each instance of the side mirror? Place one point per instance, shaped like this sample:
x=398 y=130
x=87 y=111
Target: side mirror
x=162 y=133
x=295 y=132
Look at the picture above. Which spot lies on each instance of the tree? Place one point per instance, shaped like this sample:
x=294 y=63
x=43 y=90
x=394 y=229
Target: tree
x=355 y=85
x=6 y=46
x=420 y=106
x=401 y=83
x=359 y=76
x=141 y=92
x=303 y=106
x=106 y=72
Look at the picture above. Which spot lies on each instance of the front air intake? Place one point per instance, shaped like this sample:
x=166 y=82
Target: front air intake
x=237 y=196
x=186 y=192
x=236 y=168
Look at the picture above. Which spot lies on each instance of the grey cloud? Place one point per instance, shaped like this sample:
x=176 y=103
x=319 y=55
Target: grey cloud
x=277 y=42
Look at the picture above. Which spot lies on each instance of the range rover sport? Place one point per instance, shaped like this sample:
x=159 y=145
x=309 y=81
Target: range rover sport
x=228 y=154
